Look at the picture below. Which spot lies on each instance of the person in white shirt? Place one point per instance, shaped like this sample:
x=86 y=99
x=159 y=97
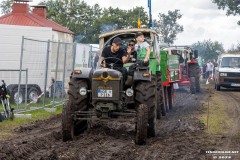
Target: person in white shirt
x=209 y=69
x=142 y=44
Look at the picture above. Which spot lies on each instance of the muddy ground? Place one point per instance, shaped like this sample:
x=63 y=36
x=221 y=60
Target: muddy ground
x=180 y=135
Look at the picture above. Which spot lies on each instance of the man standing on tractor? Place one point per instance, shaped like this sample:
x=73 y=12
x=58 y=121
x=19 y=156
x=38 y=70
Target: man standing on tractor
x=142 y=55
x=117 y=56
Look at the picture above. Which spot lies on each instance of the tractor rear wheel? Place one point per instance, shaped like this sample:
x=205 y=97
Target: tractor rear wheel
x=141 y=124
x=194 y=71
x=192 y=85
x=197 y=83
x=145 y=93
x=170 y=96
x=166 y=98
x=76 y=102
x=160 y=104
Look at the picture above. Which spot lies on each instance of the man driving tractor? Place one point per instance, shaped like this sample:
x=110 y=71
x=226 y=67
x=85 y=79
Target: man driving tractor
x=117 y=56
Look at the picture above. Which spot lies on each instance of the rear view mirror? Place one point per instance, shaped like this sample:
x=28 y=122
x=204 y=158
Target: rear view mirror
x=195 y=54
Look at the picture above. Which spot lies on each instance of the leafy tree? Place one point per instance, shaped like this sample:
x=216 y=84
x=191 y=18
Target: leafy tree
x=6 y=6
x=115 y=18
x=235 y=49
x=168 y=27
x=71 y=14
x=87 y=22
x=232 y=6
x=208 y=49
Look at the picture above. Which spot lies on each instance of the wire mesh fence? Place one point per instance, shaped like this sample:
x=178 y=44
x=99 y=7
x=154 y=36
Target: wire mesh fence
x=45 y=68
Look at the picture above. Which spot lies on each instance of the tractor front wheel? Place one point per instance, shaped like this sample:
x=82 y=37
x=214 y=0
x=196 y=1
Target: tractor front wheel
x=145 y=93
x=141 y=124
x=76 y=102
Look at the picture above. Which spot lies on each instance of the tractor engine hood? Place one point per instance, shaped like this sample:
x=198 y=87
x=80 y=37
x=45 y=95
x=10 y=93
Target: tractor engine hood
x=105 y=72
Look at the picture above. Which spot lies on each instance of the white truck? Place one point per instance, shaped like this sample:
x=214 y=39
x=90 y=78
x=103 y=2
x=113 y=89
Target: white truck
x=10 y=52
x=227 y=73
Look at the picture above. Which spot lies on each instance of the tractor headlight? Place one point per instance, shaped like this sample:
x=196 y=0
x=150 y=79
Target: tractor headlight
x=223 y=74
x=129 y=92
x=83 y=91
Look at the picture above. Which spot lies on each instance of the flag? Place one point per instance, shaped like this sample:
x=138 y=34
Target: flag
x=139 y=23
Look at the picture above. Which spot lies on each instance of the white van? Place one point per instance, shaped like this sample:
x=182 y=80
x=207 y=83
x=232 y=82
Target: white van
x=227 y=74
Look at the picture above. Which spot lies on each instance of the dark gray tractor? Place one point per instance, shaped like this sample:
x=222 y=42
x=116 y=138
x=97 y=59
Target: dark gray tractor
x=102 y=95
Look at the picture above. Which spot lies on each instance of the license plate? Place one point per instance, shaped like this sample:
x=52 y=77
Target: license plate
x=235 y=85
x=104 y=93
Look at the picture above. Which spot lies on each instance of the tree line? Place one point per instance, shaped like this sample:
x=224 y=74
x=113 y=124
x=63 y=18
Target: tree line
x=87 y=22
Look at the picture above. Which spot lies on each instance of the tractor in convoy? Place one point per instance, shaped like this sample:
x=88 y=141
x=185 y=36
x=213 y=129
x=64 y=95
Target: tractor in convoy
x=103 y=95
x=188 y=72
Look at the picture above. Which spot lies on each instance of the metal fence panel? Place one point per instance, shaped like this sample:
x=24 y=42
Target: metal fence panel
x=49 y=66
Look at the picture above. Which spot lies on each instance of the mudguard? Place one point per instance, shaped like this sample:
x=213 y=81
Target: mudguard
x=139 y=75
x=85 y=73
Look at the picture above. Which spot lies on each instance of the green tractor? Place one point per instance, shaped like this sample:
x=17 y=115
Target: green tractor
x=188 y=74
x=102 y=95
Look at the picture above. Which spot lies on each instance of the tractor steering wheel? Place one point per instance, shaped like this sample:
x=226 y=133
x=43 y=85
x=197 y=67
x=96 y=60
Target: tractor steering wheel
x=113 y=65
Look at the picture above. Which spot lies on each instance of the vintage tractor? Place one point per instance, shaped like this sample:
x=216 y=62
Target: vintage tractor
x=188 y=74
x=170 y=77
x=103 y=95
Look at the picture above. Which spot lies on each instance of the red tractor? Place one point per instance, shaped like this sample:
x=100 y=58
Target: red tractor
x=189 y=70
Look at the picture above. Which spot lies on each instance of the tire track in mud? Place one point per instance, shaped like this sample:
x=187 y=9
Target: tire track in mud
x=179 y=136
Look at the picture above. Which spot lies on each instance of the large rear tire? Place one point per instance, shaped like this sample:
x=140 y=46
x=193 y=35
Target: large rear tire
x=194 y=72
x=145 y=93
x=197 y=83
x=166 y=98
x=160 y=104
x=192 y=85
x=170 y=97
x=76 y=102
x=141 y=124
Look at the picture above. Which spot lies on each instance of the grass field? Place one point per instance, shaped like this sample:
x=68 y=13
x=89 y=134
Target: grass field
x=219 y=121
x=7 y=126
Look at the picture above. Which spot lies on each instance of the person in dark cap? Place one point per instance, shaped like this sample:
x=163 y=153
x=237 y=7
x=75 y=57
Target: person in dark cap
x=117 y=52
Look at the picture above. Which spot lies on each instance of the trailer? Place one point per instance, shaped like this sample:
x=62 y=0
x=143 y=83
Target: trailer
x=11 y=44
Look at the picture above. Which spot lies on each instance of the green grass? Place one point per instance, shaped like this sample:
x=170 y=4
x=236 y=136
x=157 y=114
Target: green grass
x=219 y=120
x=7 y=126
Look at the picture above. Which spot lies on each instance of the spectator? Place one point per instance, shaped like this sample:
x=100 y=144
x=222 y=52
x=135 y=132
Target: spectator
x=209 y=69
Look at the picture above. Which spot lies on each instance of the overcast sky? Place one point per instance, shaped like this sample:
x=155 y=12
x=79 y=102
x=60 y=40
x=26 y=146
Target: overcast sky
x=201 y=19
